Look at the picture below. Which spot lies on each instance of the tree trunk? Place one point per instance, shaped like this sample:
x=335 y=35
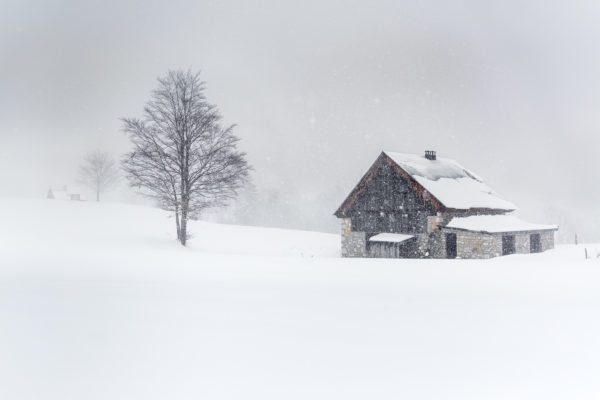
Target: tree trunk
x=183 y=238
x=177 y=225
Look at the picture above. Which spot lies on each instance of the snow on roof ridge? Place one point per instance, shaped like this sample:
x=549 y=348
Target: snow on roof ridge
x=416 y=164
x=452 y=184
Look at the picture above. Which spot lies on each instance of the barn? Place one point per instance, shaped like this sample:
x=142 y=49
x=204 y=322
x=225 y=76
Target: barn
x=423 y=206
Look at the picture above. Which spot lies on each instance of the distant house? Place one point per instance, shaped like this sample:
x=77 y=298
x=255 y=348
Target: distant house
x=64 y=194
x=411 y=206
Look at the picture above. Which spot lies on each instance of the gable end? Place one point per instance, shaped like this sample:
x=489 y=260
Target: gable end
x=362 y=185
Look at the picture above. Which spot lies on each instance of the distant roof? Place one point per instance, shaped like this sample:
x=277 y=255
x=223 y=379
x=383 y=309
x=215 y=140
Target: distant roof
x=496 y=224
x=390 y=237
x=449 y=182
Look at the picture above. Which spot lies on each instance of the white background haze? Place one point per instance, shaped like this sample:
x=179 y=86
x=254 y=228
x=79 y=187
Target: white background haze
x=318 y=88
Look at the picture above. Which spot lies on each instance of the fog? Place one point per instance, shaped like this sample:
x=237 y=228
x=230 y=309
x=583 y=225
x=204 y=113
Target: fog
x=318 y=88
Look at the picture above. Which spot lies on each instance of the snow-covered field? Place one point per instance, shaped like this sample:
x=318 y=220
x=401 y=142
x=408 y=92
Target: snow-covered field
x=97 y=301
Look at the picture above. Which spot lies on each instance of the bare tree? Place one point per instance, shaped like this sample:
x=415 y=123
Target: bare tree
x=183 y=157
x=98 y=171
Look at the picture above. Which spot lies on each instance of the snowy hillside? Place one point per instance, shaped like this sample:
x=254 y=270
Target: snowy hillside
x=98 y=301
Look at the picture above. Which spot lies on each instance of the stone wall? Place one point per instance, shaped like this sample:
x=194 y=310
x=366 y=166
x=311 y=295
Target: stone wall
x=437 y=245
x=522 y=243
x=547 y=240
x=354 y=244
x=422 y=245
x=486 y=245
x=469 y=244
x=477 y=245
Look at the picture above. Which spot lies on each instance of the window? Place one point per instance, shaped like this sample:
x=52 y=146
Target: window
x=535 y=243
x=508 y=245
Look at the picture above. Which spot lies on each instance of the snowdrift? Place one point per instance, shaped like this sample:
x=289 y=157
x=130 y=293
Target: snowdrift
x=98 y=301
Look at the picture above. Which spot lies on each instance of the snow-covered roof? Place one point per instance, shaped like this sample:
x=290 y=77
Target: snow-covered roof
x=449 y=182
x=496 y=224
x=390 y=237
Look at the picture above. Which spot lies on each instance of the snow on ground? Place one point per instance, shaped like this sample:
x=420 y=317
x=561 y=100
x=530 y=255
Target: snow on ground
x=97 y=301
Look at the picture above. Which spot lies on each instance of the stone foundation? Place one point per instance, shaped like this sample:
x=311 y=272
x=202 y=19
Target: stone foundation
x=477 y=245
x=422 y=245
x=468 y=244
x=354 y=244
x=547 y=240
x=437 y=245
x=522 y=243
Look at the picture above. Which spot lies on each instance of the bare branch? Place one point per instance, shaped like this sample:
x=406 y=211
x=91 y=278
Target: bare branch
x=98 y=171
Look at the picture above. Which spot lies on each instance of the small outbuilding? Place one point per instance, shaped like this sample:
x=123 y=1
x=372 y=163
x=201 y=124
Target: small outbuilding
x=411 y=206
x=64 y=194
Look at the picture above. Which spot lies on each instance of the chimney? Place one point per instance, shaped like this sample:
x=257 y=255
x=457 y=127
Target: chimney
x=430 y=155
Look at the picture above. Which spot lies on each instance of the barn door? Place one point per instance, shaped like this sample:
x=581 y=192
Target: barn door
x=508 y=245
x=450 y=245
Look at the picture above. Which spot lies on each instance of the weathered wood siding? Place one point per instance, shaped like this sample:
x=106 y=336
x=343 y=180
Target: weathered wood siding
x=389 y=204
x=408 y=249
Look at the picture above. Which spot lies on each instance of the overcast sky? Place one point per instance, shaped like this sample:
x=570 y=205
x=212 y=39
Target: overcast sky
x=318 y=88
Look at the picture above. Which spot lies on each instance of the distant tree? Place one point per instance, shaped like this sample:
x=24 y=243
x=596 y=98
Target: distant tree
x=99 y=172
x=183 y=157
